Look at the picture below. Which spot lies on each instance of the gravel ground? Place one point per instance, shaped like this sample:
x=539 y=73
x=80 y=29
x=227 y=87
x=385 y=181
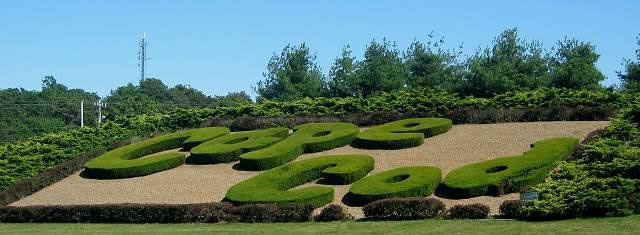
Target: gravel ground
x=462 y=145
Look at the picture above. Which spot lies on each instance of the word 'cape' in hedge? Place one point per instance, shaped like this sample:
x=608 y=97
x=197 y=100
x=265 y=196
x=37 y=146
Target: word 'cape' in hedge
x=275 y=185
x=401 y=134
x=399 y=182
x=229 y=147
x=127 y=161
x=306 y=138
x=509 y=174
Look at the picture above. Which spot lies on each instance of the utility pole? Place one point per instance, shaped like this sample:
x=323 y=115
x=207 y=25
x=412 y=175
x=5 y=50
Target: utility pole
x=100 y=105
x=142 y=56
x=82 y=113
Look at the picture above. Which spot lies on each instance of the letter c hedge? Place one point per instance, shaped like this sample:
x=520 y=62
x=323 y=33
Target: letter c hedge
x=275 y=185
x=401 y=134
x=399 y=182
x=127 y=161
x=306 y=138
x=509 y=174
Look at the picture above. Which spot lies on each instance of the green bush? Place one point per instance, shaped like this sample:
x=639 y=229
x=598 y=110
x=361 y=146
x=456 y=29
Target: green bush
x=509 y=174
x=127 y=161
x=306 y=138
x=404 y=208
x=401 y=134
x=275 y=185
x=229 y=147
x=400 y=182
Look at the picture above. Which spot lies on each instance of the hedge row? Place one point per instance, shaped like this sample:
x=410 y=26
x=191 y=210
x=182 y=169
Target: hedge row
x=157 y=213
x=127 y=161
x=401 y=134
x=306 y=138
x=275 y=185
x=406 y=208
x=228 y=148
x=399 y=182
x=509 y=174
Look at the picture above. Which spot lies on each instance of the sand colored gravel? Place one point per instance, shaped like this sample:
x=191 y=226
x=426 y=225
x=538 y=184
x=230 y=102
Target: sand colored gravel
x=462 y=145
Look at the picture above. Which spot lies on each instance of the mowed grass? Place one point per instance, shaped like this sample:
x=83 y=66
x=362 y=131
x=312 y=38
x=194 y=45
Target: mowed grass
x=620 y=225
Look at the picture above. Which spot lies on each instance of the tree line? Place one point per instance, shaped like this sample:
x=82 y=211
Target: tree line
x=511 y=63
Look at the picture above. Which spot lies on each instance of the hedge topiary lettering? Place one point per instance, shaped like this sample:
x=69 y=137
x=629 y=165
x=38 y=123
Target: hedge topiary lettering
x=127 y=161
x=509 y=174
x=229 y=147
x=399 y=182
x=401 y=134
x=306 y=138
x=275 y=185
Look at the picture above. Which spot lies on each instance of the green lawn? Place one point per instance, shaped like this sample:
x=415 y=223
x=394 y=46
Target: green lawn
x=624 y=225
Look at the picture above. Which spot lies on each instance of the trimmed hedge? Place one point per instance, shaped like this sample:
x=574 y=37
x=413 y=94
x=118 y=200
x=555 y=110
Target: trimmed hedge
x=333 y=213
x=275 y=185
x=509 y=174
x=399 y=182
x=512 y=209
x=470 y=211
x=127 y=161
x=157 y=213
x=406 y=208
x=401 y=134
x=229 y=147
x=306 y=138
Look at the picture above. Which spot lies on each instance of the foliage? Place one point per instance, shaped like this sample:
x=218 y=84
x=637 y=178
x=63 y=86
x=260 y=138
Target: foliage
x=228 y=148
x=128 y=161
x=405 y=208
x=430 y=66
x=511 y=64
x=399 y=182
x=401 y=134
x=574 y=66
x=342 y=76
x=275 y=185
x=602 y=181
x=157 y=213
x=292 y=75
x=508 y=174
x=512 y=209
x=333 y=213
x=306 y=138
x=470 y=211
x=631 y=76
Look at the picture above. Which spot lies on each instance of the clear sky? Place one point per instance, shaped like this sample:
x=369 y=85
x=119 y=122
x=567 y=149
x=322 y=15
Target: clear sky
x=222 y=46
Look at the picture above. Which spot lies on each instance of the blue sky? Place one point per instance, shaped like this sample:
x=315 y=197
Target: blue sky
x=222 y=46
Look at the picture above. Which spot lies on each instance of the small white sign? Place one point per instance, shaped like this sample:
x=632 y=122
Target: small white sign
x=529 y=196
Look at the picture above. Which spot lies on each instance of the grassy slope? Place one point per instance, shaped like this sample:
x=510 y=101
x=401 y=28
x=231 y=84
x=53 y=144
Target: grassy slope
x=621 y=225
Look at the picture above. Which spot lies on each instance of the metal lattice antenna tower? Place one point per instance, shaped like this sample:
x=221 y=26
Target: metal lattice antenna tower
x=142 y=55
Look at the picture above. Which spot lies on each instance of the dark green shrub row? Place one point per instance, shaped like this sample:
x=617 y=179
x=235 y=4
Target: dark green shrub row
x=401 y=134
x=157 y=213
x=126 y=161
x=512 y=209
x=470 y=211
x=228 y=148
x=306 y=138
x=275 y=185
x=399 y=182
x=333 y=213
x=509 y=174
x=406 y=208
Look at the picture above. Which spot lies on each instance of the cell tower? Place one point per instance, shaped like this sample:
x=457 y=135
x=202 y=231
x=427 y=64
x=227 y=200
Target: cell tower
x=142 y=55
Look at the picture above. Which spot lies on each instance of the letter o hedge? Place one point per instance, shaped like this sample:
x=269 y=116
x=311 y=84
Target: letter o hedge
x=275 y=185
x=401 y=134
x=399 y=182
x=127 y=161
x=306 y=138
x=229 y=147
x=509 y=174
